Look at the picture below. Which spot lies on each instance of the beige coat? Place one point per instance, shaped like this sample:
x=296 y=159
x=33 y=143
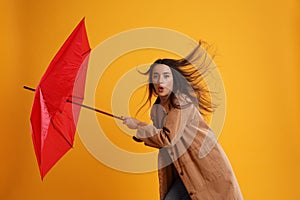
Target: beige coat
x=189 y=149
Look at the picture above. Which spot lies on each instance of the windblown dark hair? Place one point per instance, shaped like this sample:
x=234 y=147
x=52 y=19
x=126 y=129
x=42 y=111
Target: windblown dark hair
x=188 y=78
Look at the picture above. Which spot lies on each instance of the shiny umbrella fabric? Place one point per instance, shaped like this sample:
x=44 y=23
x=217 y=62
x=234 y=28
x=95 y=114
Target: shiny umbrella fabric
x=53 y=118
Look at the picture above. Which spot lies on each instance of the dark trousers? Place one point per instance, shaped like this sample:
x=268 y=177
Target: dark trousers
x=177 y=191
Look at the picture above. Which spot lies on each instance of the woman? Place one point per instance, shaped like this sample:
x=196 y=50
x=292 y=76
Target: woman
x=191 y=163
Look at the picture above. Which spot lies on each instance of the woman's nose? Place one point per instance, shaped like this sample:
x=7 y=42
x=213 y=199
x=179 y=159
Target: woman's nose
x=160 y=79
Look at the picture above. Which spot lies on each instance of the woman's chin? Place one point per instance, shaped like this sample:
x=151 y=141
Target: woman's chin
x=163 y=95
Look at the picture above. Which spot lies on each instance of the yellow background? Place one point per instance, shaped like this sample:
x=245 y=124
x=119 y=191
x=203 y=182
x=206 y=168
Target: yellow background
x=257 y=45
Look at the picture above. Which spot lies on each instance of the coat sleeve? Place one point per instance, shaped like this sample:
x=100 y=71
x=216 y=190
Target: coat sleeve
x=159 y=138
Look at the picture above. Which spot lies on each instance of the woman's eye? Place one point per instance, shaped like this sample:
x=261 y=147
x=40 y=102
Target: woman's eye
x=167 y=76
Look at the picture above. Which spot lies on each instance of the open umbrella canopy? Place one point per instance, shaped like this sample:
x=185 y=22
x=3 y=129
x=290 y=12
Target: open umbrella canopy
x=53 y=117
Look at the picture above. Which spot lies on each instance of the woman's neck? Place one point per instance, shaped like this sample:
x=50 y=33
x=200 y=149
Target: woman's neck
x=164 y=101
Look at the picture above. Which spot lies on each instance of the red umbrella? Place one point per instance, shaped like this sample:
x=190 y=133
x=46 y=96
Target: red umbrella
x=53 y=119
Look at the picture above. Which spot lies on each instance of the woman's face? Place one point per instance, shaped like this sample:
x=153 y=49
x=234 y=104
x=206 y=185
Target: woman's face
x=162 y=79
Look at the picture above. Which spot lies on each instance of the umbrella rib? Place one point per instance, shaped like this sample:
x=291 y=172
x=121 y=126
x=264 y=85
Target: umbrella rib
x=85 y=52
x=71 y=145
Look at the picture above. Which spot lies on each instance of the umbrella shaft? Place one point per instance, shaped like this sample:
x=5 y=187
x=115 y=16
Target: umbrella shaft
x=95 y=109
x=82 y=105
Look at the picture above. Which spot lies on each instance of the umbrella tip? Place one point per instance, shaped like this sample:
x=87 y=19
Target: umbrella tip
x=28 y=88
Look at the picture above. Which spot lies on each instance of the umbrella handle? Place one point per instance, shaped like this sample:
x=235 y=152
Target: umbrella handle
x=136 y=139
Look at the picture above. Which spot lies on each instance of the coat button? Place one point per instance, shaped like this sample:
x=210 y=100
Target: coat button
x=171 y=153
x=181 y=173
x=191 y=194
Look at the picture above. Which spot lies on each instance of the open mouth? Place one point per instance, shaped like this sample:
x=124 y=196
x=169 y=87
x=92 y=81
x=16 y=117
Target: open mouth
x=160 y=89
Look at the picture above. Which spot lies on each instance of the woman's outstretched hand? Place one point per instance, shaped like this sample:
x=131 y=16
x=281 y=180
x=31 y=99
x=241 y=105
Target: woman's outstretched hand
x=131 y=123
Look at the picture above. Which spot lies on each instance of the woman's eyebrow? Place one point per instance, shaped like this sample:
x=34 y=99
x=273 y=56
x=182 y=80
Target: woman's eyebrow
x=162 y=73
